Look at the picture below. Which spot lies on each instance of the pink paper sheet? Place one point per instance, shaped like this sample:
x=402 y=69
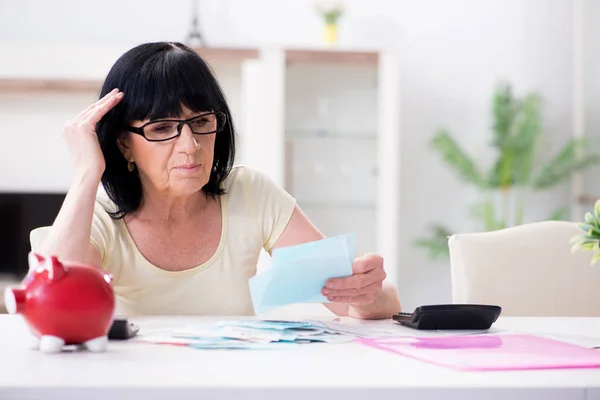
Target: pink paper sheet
x=490 y=352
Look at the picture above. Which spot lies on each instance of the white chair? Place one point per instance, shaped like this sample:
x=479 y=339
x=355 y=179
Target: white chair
x=528 y=270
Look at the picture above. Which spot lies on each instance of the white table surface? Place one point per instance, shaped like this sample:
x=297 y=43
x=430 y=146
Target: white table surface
x=133 y=370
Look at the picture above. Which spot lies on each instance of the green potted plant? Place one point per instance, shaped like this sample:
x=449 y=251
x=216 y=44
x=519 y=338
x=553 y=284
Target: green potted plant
x=591 y=240
x=518 y=169
x=331 y=12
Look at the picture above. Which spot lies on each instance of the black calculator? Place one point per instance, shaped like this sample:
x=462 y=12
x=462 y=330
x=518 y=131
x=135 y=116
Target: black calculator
x=450 y=317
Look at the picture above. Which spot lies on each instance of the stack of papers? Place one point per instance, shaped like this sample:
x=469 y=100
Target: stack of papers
x=299 y=273
x=245 y=334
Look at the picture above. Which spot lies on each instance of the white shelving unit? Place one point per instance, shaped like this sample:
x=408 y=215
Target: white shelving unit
x=325 y=124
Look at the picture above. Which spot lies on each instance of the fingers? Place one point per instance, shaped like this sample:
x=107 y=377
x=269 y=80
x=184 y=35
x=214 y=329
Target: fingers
x=101 y=108
x=87 y=110
x=365 y=284
x=88 y=118
x=367 y=263
x=373 y=287
x=357 y=281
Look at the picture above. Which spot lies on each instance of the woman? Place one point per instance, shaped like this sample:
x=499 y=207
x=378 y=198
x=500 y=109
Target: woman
x=181 y=229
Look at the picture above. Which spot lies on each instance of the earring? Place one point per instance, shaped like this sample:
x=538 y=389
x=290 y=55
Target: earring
x=130 y=166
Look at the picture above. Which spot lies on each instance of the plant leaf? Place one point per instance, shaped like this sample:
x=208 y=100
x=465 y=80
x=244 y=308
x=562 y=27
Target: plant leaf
x=437 y=243
x=516 y=130
x=584 y=238
x=589 y=229
x=581 y=240
x=527 y=133
x=579 y=243
x=576 y=240
x=597 y=207
x=589 y=238
x=595 y=258
x=485 y=213
x=597 y=213
x=564 y=164
x=589 y=218
x=457 y=158
x=504 y=109
x=559 y=215
x=437 y=248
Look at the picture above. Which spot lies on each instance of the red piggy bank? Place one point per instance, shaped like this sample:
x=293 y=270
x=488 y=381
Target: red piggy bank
x=64 y=304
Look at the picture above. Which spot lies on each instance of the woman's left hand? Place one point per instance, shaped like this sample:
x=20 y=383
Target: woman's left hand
x=362 y=287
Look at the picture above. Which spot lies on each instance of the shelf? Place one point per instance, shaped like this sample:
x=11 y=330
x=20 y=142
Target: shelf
x=226 y=54
x=331 y=56
x=213 y=55
x=49 y=85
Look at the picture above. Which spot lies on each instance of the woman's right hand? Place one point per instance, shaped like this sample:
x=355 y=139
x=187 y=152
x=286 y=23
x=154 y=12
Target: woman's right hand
x=81 y=138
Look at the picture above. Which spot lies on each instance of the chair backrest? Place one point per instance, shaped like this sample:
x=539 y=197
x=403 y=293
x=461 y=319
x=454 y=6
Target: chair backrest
x=528 y=270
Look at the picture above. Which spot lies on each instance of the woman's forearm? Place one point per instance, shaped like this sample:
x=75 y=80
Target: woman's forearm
x=69 y=236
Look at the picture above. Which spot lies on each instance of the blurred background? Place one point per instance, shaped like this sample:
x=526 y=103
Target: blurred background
x=401 y=121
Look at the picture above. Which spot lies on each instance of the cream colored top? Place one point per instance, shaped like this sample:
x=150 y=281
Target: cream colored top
x=255 y=211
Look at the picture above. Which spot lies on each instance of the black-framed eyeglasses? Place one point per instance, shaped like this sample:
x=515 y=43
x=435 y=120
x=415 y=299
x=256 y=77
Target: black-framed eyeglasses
x=167 y=129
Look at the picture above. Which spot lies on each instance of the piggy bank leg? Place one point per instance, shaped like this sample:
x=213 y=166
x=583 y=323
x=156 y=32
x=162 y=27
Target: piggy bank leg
x=51 y=344
x=97 y=345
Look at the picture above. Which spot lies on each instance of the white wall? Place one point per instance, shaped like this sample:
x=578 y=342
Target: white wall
x=453 y=53
x=591 y=89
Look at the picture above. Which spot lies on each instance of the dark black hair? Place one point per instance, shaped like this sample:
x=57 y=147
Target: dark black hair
x=157 y=79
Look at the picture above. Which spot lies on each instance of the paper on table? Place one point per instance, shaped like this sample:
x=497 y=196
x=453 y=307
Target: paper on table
x=381 y=330
x=299 y=273
x=490 y=352
x=578 y=340
x=262 y=324
x=211 y=342
x=195 y=333
x=243 y=334
x=367 y=330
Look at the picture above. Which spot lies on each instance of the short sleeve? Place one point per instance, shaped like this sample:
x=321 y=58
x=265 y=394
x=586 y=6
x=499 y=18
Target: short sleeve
x=273 y=206
x=37 y=237
x=102 y=233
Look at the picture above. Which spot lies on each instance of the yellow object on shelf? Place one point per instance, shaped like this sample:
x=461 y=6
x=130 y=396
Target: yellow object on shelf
x=330 y=33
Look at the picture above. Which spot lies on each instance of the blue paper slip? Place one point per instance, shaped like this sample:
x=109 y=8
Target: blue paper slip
x=308 y=251
x=299 y=273
x=277 y=325
x=244 y=334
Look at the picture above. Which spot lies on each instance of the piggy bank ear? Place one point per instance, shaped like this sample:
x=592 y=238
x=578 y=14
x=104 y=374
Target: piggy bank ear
x=35 y=260
x=55 y=269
